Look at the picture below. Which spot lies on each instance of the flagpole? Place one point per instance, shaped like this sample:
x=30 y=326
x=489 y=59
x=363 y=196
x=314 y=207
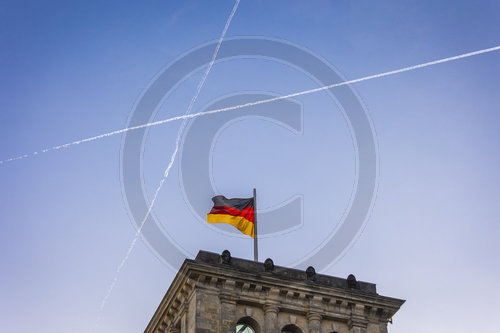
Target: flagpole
x=255 y=242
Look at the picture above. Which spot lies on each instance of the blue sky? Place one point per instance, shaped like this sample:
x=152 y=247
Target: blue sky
x=72 y=70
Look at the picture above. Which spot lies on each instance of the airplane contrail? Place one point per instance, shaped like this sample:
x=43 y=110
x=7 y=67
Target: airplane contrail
x=174 y=154
x=305 y=92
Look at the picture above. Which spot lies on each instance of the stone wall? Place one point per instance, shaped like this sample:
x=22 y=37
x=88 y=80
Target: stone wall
x=214 y=294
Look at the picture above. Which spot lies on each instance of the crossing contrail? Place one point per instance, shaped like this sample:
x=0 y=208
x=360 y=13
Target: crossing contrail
x=305 y=92
x=174 y=154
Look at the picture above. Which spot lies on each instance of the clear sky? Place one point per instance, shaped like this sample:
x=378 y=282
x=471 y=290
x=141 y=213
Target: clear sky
x=72 y=70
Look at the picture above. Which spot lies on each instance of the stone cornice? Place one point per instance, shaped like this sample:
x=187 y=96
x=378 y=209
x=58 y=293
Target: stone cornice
x=268 y=291
x=248 y=282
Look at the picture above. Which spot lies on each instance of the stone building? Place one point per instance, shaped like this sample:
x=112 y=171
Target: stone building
x=220 y=294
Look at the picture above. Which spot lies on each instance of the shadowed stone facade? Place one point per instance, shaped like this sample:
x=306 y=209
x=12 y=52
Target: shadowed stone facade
x=214 y=293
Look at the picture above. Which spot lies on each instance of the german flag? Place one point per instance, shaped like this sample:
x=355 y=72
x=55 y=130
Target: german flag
x=237 y=212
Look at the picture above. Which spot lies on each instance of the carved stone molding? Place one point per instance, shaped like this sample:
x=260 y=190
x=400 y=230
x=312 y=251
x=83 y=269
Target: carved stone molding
x=173 y=330
x=313 y=316
x=357 y=325
x=270 y=308
x=227 y=298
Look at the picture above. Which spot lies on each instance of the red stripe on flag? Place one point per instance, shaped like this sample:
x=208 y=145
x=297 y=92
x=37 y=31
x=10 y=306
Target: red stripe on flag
x=247 y=213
